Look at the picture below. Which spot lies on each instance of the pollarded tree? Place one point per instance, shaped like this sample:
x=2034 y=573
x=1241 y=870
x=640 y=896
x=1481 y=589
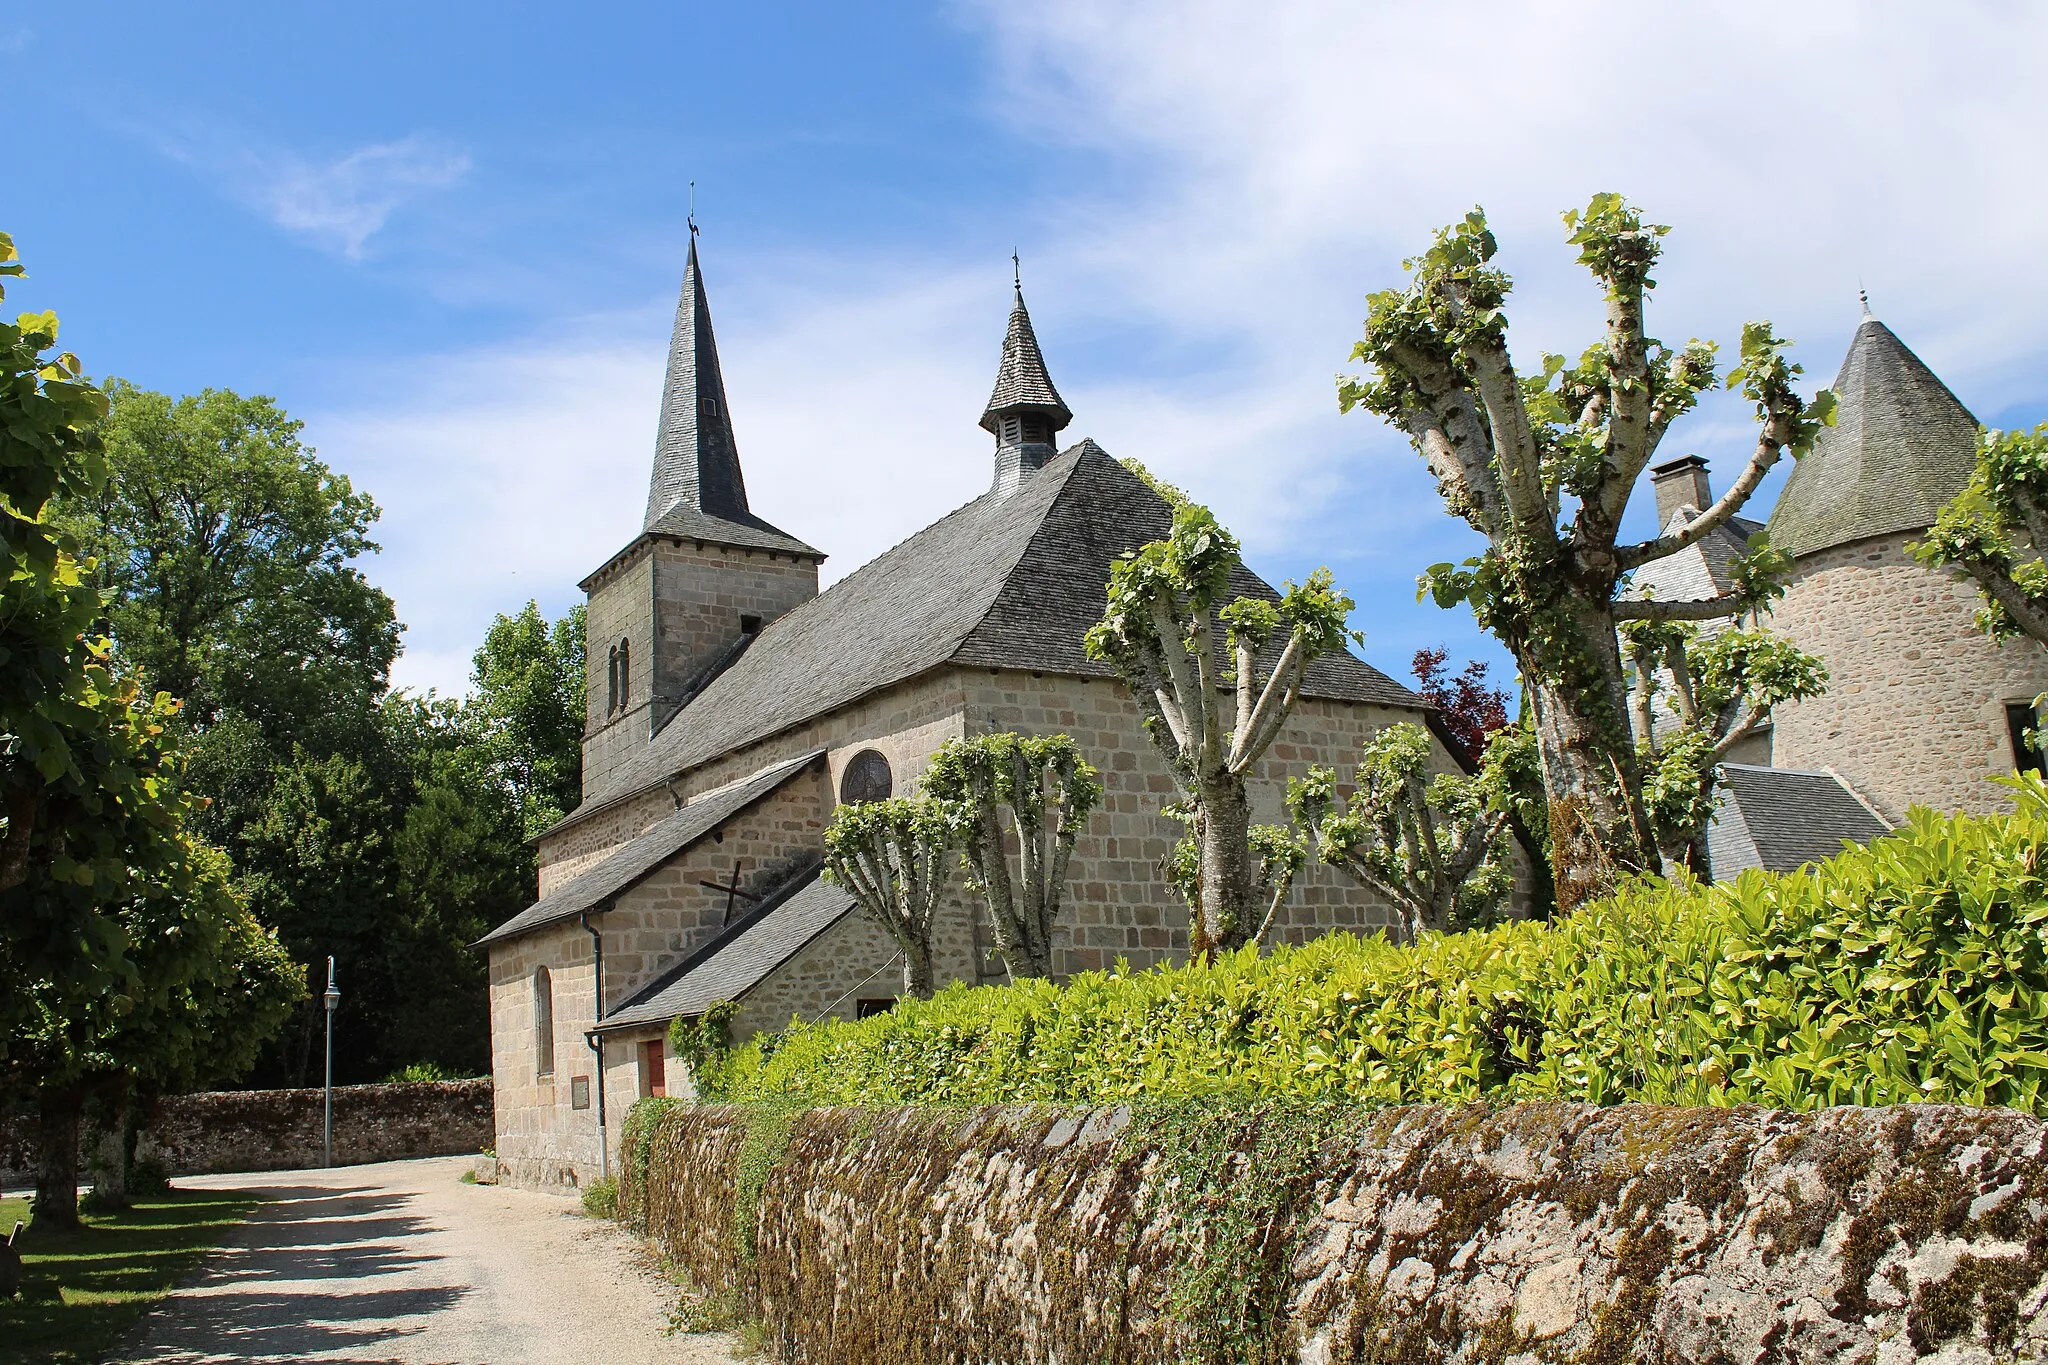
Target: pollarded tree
x=1194 y=663
x=1515 y=455
x=892 y=855
x=1049 y=791
x=1996 y=531
x=1719 y=687
x=1436 y=846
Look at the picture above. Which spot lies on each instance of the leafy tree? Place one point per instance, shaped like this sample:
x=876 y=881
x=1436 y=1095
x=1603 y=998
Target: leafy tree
x=1720 y=686
x=1514 y=455
x=228 y=549
x=528 y=710
x=1471 y=710
x=1193 y=662
x=892 y=856
x=1996 y=531
x=1049 y=791
x=1436 y=846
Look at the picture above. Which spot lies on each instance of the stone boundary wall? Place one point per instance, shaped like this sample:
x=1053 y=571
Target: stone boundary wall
x=1516 y=1235
x=280 y=1130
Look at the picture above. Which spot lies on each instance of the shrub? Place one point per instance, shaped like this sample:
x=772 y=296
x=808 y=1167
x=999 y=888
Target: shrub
x=423 y=1073
x=1914 y=969
x=601 y=1198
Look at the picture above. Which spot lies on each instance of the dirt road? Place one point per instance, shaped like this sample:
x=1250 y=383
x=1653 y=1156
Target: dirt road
x=401 y=1262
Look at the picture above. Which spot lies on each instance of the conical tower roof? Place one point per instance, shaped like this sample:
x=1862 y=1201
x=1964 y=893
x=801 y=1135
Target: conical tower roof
x=697 y=489
x=1022 y=385
x=1902 y=445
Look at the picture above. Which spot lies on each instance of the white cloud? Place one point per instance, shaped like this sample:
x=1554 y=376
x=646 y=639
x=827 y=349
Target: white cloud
x=339 y=202
x=1266 y=166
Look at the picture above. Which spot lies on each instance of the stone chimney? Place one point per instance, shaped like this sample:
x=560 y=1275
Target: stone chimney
x=1680 y=483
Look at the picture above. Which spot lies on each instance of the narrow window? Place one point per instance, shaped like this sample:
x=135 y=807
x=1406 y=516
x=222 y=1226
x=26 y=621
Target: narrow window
x=611 y=696
x=2024 y=726
x=543 y=1023
x=625 y=673
x=708 y=406
x=653 y=1068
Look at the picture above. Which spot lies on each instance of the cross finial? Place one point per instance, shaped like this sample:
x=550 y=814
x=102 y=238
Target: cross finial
x=693 y=208
x=1864 y=295
x=1016 y=270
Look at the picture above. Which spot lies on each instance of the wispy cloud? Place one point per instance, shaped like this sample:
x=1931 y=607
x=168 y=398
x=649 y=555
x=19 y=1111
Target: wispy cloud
x=343 y=201
x=1268 y=166
x=338 y=201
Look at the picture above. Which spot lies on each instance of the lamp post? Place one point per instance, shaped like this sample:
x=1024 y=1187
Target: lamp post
x=333 y=997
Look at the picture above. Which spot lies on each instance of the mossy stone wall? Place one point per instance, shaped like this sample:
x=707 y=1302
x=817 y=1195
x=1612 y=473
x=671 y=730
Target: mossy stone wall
x=1512 y=1235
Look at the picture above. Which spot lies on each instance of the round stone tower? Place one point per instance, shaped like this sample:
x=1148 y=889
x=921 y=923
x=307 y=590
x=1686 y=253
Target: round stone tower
x=1922 y=706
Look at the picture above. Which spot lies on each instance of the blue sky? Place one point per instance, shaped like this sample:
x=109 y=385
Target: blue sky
x=448 y=237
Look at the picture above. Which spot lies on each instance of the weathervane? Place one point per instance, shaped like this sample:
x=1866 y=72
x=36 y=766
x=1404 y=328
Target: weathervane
x=1016 y=269
x=693 y=208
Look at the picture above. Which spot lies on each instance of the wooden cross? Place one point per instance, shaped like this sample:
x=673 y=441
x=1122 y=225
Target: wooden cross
x=733 y=891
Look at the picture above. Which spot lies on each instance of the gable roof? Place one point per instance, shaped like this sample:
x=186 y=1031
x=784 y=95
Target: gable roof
x=741 y=957
x=1701 y=570
x=1011 y=580
x=1901 y=446
x=640 y=857
x=1778 y=819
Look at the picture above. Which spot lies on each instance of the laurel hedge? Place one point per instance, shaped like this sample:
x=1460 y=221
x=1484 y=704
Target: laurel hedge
x=1913 y=969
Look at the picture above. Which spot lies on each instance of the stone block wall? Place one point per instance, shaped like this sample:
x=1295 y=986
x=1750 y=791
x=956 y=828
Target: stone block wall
x=1517 y=1235
x=1914 y=713
x=281 y=1130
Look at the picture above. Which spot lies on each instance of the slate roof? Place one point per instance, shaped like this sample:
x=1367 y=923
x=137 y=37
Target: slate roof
x=1008 y=581
x=1902 y=445
x=1022 y=383
x=741 y=957
x=1780 y=818
x=640 y=857
x=697 y=490
x=1701 y=569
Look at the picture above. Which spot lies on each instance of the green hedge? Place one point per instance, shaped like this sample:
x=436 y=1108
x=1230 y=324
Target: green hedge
x=1915 y=969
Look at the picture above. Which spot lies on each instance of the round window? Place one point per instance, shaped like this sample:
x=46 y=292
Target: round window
x=867 y=778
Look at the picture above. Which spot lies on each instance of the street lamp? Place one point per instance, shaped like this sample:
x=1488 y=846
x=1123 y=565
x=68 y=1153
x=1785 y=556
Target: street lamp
x=333 y=997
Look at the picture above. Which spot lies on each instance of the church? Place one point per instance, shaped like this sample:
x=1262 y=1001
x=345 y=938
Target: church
x=731 y=706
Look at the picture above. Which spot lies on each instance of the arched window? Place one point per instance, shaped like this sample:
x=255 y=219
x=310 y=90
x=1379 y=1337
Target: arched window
x=543 y=1023
x=611 y=694
x=625 y=673
x=867 y=778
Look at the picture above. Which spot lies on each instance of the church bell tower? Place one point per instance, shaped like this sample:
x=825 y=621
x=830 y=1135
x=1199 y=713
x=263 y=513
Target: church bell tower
x=687 y=596
x=1025 y=413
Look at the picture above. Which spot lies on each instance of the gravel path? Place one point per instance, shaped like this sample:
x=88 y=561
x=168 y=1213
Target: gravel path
x=401 y=1262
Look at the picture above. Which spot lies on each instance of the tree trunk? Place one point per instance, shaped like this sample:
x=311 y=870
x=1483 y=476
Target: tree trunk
x=1598 y=829
x=57 y=1113
x=108 y=1160
x=1228 y=914
x=917 y=970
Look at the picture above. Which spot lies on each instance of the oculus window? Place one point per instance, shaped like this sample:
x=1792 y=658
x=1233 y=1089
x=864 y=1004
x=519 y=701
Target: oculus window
x=867 y=778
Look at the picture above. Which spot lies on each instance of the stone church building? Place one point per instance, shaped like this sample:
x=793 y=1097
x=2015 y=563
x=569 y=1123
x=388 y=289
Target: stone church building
x=731 y=706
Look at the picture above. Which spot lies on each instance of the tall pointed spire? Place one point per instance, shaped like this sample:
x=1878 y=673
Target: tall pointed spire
x=696 y=464
x=1025 y=411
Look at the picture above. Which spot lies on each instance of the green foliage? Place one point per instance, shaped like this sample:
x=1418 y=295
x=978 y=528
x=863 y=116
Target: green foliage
x=892 y=855
x=1435 y=845
x=1914 y=969
x=701 y=1043
x=423 y=1073
x=1515 y=455
x=601 y=1198
x=1996 y=530
x=1207 y=709
x=528 y=712
x=636 y=1153
x=1049 y=791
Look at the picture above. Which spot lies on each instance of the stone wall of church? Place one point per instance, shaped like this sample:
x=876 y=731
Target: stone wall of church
x=701 y=595
x=621 y=608
x=1915 y=711
x=544 y=1136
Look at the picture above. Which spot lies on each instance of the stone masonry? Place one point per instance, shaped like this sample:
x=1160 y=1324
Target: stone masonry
x=1914 y=713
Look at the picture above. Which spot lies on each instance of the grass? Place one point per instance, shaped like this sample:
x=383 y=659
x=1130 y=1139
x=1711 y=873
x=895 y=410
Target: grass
x=81 y=1291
